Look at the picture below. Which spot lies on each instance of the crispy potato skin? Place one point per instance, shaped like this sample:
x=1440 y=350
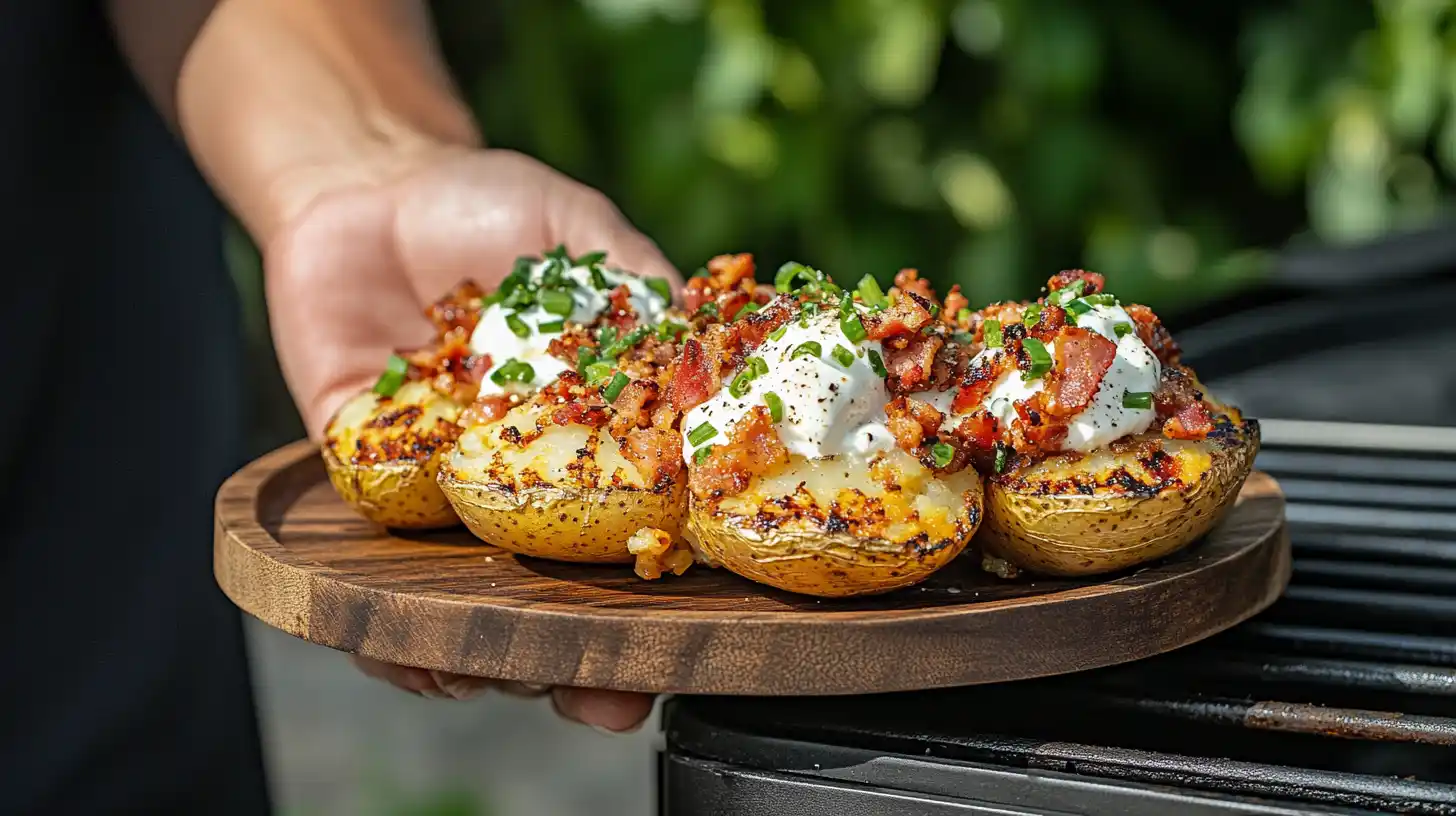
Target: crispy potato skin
x=383 y=456
x=829 y=549
x=568 y=495
x=1105 y=512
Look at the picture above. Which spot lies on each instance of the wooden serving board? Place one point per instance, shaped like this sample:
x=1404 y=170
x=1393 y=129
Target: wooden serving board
x=290 y=552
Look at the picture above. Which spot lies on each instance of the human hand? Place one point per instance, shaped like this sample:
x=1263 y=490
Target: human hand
x=347 y=278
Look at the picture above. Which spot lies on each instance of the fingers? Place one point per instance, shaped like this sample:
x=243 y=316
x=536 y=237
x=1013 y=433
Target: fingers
x=587 y=221
x=617 y=711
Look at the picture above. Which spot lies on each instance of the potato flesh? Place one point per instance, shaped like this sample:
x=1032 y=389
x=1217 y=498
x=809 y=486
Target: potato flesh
x=551 y=459
x=353 y=419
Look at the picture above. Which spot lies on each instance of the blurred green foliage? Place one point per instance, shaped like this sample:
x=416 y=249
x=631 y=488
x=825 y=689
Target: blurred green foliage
x=986 y=142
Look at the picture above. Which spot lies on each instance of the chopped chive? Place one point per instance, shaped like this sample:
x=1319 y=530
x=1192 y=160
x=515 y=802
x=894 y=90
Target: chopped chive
x=599 y=280
x=1122 y=329
x=757 y=365
x=964 y=314
x=606 y=335
x=710 y=309
x=740 y=384
x=991 y=333
x=1001 y=455
x=661 y=288
x=934 y=310
x=701 y=273
x=843 y=356
x=702 y=453
x=748 y=309
x=393 y=377
x=1029 y=317
x=551 y=327
x=807 y=349
x=1137 y=399
x=877 y=364
x=598 y=371
x=668 y=330
x=1068 y=293
x=619 y=381
x=513 y=370
x=789 y=272
x=1041 y=359
x=870 y=293
x=777 y=334
x=942 y=454
x=1078 y=307
x=556 y=302
x=517 y=326
x=1101 y=299
x=585 y=356
x=775 y=406
x=557 y=253
x=701 y=434
x=852 y=327
x=590 y=259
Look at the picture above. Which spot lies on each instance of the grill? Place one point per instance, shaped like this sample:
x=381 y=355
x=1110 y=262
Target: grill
x=1341 y=698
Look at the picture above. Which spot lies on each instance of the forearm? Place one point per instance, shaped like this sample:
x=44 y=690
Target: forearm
x=283 y=100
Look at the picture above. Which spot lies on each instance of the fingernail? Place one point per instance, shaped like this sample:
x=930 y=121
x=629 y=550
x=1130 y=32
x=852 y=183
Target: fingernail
x=435 y=694
x=459 y=687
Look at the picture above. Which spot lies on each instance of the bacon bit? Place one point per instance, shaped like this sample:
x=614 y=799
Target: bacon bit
x=1093 y=281
x=753 y=449
x=727 y=270
x=693 y=382
x=752 y=330
x=906 y=316
x=1048 y=324
x=458 y=309
x=657 y=554
x=1153 y=333
x=655 y=452
x=619 y=313
x=954 y=302
x=697 y=292
x=911 y=366
x=1083 y=358
x=1159 y=463
x=1191 y=422
x=730 y=302
x=910 y=421
x=474 y=368
x=579 y=413
x=628 y=410
x=979 y=381
x=1175 y=390
x=909 y=280
x=487 y=409
x=1036 y=432
x=977 y=432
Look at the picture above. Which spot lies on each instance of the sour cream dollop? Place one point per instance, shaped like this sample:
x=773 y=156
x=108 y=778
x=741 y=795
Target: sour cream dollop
x=1106 y=419
x=828 y=408
x=493 y=334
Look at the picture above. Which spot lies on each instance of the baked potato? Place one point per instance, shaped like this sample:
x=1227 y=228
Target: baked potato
x=565 y=492
x=382 y=455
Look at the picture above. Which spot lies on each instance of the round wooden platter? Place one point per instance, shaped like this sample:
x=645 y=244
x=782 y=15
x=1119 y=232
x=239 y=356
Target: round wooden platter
x=290 y=552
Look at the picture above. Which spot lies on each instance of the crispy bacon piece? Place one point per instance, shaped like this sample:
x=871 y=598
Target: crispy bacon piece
x=752 y=329
x=910 y=421
x=579 y=413
x=1048 y=324
x=727 y=270
x=697 y=292
x=628 y=408
x=1180 y=404
x=656 y=452
x=910 y=367
x=620 y=313
x=487 y=409
x=977 y=431
x=1036 y=432
x=1191 y=422
x=458 y=309
x=754 y=448
x=1082 y=360
x=909 y=280
x=979 y=380
x=954 y=302
x=694 y=379
x=906 y=316
x=1152 y=332
x=1092 y=281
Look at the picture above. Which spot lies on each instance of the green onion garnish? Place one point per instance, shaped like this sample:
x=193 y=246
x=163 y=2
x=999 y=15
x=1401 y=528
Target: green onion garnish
x=964 y=314
x=775 y=406
x=702 y=453
x=1122 y=329
x=852 y=327
x=556 y=302
x=667 y=330
x=870 y=293
x=778 y=333
x=551 y=327
x=963 y=338
x=991 y=333
x=661 y=288
x=513 y=370
x=393 y=377
x=590 y=259
x=709 y=308
x=740 y=384
x=748 y=309
x=599 y=280
x=606 y=335
x=1101 y=299
x=557 y=253
x=1137 y=399
x=1001 y=455
x=1068 y=293
x=584 y=357
x=701 y=273
x=517 y=326
x=1041 y=359
x=877 y=364
x=619 y=381
x=807 y=349
x=1078 y=307
x=785 y=277
x=757 y=365
x=843 y=356
x=942 y=454
x=598 y=371
x=1029 y=317
x=701 y=434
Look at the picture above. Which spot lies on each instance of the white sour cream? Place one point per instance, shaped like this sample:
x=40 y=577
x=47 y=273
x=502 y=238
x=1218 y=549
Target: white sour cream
x=829 y=409
x=493 y=334
x=1105 y=420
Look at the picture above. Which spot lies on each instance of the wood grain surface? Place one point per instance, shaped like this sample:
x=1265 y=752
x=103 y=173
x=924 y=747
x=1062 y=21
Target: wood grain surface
x=289 y=552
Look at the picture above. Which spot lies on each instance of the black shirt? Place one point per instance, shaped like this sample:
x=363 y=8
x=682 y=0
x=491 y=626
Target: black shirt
x=124 y=686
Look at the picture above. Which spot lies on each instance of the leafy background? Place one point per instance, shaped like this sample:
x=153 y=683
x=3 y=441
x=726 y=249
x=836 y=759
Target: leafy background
x=1173 y=146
